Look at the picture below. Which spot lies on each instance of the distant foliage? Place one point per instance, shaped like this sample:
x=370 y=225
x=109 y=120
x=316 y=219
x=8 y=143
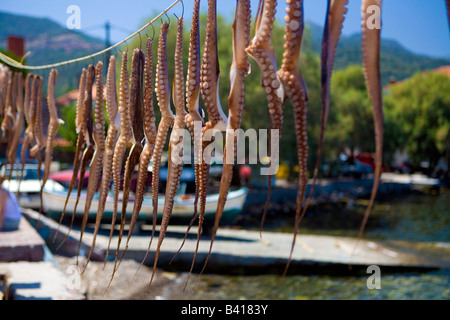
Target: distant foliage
x=419 y=111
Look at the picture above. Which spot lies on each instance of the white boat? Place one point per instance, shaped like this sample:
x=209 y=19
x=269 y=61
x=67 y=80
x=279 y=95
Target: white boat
x=30 y=187
x=53 y=202
x=416 y=180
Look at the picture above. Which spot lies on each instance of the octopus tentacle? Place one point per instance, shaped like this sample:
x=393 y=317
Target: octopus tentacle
x=136 y=116
x=38 y=133
x=4 y=70
x=52 y=126
x=18 y=128
x=295 y=90
x=8 y=119
x=371 y=66
x=90 y=149
x=209 y=87
x=113 y=131
x=336 y=10
x=29 y=108
x=448 y=11
x=26 y=107
x=81 y=123
x=95 y=167
x=162 y=90
x=175 y=163
x=150 y=137
x=125 y=138
x=240 y=68
x=35 y=151
x=192 y=103
x=261 y=50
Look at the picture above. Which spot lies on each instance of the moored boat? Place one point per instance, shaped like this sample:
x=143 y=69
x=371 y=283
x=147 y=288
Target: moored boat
x=183 y=208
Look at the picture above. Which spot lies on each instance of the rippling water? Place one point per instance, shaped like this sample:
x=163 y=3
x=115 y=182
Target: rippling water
x=415 y=217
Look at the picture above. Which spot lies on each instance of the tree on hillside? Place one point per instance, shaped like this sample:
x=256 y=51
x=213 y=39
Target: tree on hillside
x=351 y=119
x=420 y=108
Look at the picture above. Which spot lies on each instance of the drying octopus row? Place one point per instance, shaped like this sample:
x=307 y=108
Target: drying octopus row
x=133 y=123
x=21 y=113
x=132 y=118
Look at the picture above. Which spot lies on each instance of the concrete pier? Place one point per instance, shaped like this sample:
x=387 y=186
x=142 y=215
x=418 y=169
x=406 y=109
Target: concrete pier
x=242 y=251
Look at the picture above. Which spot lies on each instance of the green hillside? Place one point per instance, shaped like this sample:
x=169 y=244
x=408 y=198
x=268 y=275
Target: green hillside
x=48 y=42
x=396 y=61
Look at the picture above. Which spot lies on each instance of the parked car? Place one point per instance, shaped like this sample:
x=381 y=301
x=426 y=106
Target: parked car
x=351 y=167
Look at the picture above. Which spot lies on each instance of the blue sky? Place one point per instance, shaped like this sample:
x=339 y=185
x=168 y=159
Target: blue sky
x=419 y=25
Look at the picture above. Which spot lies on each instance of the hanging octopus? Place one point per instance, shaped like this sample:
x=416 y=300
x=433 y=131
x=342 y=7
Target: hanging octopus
x=261 y=50
x=209 y=88
x=90 y=143
x=17 y=129
x=295 y=90
x=29 y=109
x=4 y=70
x=80 y=125
x=10 y=110
x=135 y=119
x=336 y=10
x=113 y=132
x=27 y=117
x=136 y=116
x=150 y=140
x=38 y=133
x=162 y=90
x=35 y=151
x=52 y=126
x=175 y=163
x=371 y=66
x=193 y=119
x=125 y=138
x=240 y=68
x=95 y=166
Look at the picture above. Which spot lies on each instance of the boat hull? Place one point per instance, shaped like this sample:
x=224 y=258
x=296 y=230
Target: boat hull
x=53 y=202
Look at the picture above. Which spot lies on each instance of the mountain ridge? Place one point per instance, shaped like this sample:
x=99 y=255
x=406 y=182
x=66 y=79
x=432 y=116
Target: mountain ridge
x=396 y=61
x=42 y=34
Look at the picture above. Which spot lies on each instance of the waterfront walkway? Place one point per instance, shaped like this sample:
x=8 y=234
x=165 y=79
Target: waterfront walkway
x=242 y=251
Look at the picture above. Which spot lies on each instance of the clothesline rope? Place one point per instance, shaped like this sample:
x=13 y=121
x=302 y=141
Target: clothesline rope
x=13 y=63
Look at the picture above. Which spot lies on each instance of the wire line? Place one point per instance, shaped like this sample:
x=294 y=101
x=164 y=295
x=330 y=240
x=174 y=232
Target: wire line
x=13 y=63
